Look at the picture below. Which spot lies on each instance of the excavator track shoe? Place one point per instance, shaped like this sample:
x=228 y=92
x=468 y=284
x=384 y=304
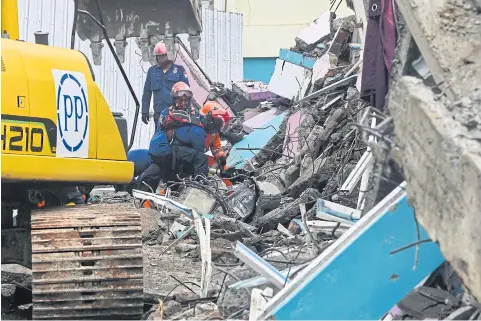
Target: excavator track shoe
x=87 y=263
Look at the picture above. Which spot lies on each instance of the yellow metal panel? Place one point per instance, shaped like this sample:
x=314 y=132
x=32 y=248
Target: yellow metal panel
x=10 y=18
x=109 y=141
x=14 y=82
x=29 y=112
x=39 y=62
x=52 y=169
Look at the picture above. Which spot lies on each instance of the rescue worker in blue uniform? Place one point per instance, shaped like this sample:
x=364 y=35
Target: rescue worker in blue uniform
x=159 y=82
x=177 y=146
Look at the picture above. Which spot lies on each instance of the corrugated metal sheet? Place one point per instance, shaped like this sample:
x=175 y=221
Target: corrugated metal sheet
x=221 y=45
x=56 y=17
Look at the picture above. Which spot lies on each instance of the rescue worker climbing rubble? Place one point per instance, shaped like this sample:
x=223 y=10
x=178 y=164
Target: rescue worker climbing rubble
x=159 y=82
x=216 y=121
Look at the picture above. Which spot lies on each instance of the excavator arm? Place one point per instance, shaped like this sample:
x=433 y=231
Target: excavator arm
x=149 y=21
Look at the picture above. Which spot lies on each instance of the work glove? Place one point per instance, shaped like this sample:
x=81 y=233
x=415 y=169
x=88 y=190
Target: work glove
x=222 y=161
x=145 y=118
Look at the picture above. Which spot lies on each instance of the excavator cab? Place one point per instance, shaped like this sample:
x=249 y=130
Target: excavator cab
x=149 y=21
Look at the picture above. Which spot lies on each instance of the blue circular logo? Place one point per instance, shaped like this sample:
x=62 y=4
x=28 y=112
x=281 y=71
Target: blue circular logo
x=72 y=112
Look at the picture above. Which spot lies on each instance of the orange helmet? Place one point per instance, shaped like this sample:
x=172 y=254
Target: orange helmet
x=215 y=116
x=160 y=49
x=181 y=89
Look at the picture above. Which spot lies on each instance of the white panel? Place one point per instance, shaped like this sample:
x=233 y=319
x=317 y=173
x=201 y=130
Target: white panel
x=56 y=17
x=289 y=80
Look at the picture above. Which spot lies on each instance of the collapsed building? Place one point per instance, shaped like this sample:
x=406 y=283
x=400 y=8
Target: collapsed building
x=317 y=213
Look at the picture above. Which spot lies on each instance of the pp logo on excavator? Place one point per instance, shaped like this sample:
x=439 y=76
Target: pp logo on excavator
x=72 y=114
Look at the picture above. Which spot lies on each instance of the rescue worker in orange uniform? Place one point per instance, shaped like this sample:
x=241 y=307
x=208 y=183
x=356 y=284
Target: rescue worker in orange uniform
x=216 y=121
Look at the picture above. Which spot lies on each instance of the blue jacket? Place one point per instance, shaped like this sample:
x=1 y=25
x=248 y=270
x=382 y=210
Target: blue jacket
x=160 y=84
x=141 y=160
x=189 y=135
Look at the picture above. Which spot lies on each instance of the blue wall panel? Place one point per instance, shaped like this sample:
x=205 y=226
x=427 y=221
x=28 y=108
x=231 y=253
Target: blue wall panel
x=259 y=69
x=363 y=279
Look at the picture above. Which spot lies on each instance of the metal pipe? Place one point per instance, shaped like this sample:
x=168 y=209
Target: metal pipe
x=74 y=25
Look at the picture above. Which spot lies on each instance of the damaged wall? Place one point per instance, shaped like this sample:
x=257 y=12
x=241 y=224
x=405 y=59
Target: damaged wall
x=438 y=133
x=55 y=17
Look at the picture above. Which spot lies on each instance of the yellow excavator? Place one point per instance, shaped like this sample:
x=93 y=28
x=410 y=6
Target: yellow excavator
x=58 y=131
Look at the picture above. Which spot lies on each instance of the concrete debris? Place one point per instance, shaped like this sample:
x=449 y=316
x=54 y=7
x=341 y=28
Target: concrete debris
x=288 y=211
x=171 y=308
x=316 y=31
x=17 y=274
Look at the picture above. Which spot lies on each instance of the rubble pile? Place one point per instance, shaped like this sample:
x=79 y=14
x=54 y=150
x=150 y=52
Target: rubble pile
x=284 y=203
x=300 y=166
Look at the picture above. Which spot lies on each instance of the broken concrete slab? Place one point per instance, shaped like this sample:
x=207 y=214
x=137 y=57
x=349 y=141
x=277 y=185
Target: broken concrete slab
x=205 y=308
x=267 y=188
x=17 y=274
x=222 y=248
x=259 y=120
x=176 y=229
x=385 y=271
x=440 y=158
x=322 y=66
x=187 y=249
x=316 y=174
x=171 y=308
x=259 y=300
x=286 y=212
x=308 y=144
x=233 y=300
x=318 y=30
x=251 y=145
x=446 y=33
x=289 y=80
x=199 y=200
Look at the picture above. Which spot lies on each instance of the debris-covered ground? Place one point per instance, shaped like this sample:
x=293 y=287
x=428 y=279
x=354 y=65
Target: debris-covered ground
x=300 y=166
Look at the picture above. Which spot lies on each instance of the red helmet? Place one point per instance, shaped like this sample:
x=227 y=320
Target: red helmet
x=181 y=89
x=213 y=112
x=160 y=49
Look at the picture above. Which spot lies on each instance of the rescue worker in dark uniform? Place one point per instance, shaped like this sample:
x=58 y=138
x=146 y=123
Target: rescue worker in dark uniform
x=159 y=82
x=178 y=143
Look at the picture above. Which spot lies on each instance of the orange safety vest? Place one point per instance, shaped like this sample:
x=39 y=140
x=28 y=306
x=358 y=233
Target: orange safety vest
x=212 y=141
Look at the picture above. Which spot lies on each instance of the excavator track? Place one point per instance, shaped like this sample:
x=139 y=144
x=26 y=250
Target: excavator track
x=87 y=263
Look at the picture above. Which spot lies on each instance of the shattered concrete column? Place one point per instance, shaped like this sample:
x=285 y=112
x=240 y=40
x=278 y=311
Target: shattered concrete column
x=439 y=136
x=442 y=164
